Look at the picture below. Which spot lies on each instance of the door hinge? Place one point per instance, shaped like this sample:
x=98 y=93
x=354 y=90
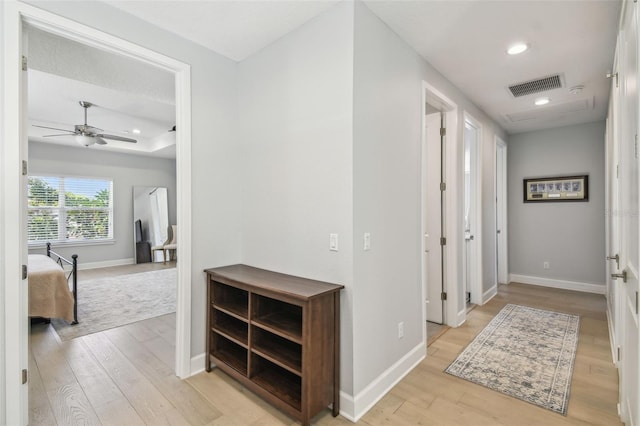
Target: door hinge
x=25 y=167
x=614 y=75
x=617 y=171
x=443 y=241
x=619 y=353
x=635 y=146
x=636 y=303
x=443 y=186
x=25 y=376
x=24 y=63
x=443 y=131
x=443 y=296
x=24 y=272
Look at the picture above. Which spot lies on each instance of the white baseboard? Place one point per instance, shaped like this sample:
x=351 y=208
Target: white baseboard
x=197 y=364
x=461 y=317
x=489 y=294
x=105 y=263
x=354 y=408
x=562 y=284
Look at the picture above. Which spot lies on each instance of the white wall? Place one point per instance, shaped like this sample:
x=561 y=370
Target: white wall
x=215 y=162
x=388 y=77
x=571 y=236
x=295 y=103
x=126 y=171
x=2 y=246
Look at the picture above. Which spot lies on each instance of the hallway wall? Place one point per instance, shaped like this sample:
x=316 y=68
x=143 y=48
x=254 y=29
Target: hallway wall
x=570 y=236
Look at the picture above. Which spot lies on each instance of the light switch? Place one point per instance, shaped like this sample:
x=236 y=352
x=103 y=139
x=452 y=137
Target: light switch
x=333 y=242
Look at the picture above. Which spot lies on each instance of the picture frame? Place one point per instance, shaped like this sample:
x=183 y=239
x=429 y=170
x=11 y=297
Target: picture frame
x=556 y=189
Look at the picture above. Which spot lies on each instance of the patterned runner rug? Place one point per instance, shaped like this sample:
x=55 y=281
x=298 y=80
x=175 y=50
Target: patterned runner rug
x=105 y=303
x=526 y=353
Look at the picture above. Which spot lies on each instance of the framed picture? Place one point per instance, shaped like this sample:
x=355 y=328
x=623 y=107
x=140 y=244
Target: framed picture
x=560 y=188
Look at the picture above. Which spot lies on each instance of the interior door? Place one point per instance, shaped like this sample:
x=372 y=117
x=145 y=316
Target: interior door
x=472 y=266
x=502 y=270
x=433 y=249
x=630 y=232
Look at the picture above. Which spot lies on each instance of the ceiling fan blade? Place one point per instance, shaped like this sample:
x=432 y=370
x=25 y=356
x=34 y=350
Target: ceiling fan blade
x=99 y=140
x=61 y=134
x=53 y=128
x=117 y=138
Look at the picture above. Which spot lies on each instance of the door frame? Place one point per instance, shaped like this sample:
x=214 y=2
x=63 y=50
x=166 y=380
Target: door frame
x=476 y=273
x=451 y=272
x=15 y=15
x=502 y=238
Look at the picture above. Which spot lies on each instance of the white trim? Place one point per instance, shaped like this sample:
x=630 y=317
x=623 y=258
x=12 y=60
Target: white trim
x=354 y=408
x=434 y=97
x=197 y=364
x=15 y=248
x=15 y=14
x=562 y=284
x=489 y=294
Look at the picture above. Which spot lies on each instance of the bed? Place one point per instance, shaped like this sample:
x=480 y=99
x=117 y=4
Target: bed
x=49 y=293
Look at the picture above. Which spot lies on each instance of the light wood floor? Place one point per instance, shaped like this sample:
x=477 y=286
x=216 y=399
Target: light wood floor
x=125 y=376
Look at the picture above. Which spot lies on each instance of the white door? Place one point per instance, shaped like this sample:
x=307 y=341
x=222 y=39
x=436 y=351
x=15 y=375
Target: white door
x=630 y=232
x=433 y=213
x=612 y=213
x=502 y=269
x=472 y=265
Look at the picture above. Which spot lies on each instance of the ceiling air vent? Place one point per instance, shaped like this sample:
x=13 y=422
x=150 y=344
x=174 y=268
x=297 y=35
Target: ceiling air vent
x=536 y=86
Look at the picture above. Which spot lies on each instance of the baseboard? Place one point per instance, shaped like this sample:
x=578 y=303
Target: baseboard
x=461 y=317
x=489 y=294
x=197 y=364
x=561 y=284
x=354 y=408
x=105 y=263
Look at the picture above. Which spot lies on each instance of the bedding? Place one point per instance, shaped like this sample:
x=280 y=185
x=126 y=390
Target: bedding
x=49 y=294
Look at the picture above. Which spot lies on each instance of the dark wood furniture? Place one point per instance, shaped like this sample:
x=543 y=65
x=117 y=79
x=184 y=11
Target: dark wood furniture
x=143 y=252
x=277 y=334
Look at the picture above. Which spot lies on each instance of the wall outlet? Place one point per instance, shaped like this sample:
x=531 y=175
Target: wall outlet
x=333 y=242
x=546 y=265
x=367 y=241
x=400 y=330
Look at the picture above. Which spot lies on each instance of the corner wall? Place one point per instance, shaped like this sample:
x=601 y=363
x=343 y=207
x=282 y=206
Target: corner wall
x=571 y=235
x=295 y=102
x=388 y=78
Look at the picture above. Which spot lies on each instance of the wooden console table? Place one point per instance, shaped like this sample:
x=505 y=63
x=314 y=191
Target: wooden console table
x=278 y=335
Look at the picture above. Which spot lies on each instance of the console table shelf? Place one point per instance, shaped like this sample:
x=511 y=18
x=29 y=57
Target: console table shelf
x=278 y=335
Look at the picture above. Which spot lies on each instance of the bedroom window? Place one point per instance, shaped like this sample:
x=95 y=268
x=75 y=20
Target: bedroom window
x=69 y=209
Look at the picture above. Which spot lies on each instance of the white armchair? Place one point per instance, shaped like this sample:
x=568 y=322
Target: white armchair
x=171 y=245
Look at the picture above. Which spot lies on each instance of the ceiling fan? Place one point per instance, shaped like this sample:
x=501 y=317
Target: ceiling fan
x=87 y=135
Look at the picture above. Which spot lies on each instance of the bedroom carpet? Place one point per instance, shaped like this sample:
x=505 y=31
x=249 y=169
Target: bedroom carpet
x=105 y=303
x=526 y=353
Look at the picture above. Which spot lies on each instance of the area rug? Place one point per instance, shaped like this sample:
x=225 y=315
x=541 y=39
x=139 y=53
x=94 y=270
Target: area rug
x=111 y=302
x=525 y=353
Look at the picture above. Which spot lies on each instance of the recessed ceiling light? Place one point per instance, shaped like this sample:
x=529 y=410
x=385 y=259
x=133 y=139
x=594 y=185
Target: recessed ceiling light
x=136 y=131
x=542 y=101
x=517 y=48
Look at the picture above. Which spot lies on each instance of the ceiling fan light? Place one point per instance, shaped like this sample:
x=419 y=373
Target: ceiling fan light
x=85 y=140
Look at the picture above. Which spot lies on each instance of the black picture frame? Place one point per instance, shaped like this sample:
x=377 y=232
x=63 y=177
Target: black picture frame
x=556 y=189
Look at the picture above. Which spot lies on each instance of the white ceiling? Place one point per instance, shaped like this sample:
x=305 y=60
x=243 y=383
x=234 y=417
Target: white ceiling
x=464 y=40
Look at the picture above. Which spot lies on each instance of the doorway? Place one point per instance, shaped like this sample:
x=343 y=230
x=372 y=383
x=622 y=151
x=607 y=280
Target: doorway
x=472 y=246
x=502 y=260
x=13 y=225
x=440 y=228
